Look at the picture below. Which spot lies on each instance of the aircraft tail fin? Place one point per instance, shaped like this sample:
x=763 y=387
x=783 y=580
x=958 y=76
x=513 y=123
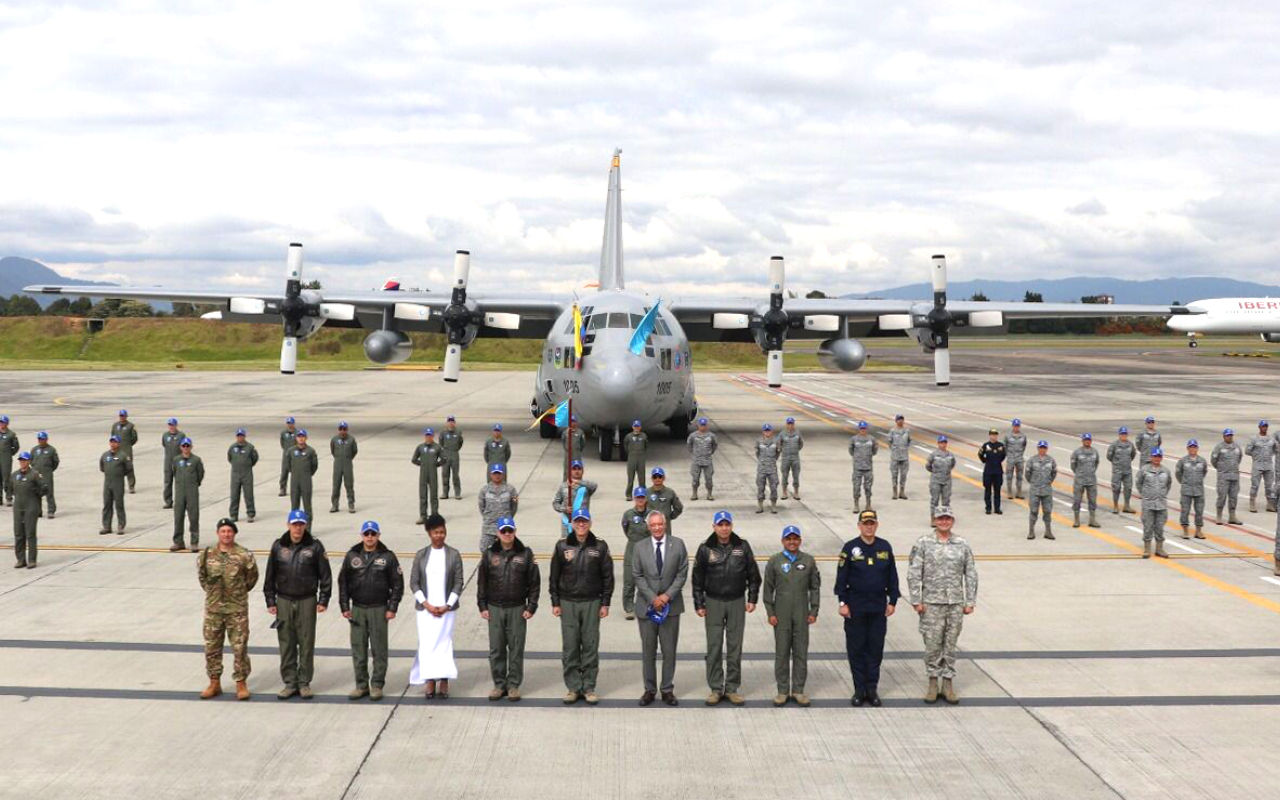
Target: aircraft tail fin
x=611 y=276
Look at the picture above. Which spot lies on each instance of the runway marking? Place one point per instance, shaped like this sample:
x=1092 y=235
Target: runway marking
x=1270 y=579
x=1208 y=580
x=1135 y=530
x=1181 y=546
x=972 y=467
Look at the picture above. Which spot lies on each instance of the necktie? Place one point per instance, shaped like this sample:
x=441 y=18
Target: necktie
x=658 y=556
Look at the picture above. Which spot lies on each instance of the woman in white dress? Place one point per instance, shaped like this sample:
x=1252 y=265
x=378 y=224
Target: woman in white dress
x=436 y=582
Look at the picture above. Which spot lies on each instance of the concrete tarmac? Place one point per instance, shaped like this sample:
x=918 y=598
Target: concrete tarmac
x=1085 y=672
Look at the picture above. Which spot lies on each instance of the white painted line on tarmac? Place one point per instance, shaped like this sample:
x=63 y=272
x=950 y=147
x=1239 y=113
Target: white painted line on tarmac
x=1135 y=530
x=1181 y=546
x=1270 y=579
x=972 y=467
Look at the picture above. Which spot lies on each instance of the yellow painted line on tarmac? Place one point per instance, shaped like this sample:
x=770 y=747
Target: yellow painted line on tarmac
x=1167 y=563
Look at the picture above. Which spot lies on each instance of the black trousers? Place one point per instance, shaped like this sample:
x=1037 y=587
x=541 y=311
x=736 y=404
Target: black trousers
x=864 y=640
x=991 y=483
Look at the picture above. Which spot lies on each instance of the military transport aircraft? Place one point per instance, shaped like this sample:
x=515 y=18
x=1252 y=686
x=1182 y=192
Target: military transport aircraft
x=619 y=354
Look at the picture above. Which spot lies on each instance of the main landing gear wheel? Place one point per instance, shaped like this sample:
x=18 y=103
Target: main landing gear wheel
x=1193 y=343
x=547 y=428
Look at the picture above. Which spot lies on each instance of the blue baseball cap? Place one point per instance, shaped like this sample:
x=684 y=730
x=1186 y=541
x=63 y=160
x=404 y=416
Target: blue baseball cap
x=1017 y=422
x=639 y=491
x=1192 y=443
x=4 y=418
x=498 y=426
x=502 y=468
x=657 y=616
x=1156 y=451
x=297 y=515
x=289 y=420
x=42 y=435
x=186 y=442
x=635 y=423
x=450 y=418
x=658 y=472
x=302 y=432
x=582 y=513
x=370 y=525
x=574 y=418
x=791 y=420
x=241 y=432
x=766 y=427
x=862 y=424
x=1263 y=424
x=172 y=421
x=575 y=464
x=1086 y=436
x=702 y=420
x=721 y=516
x=790 y=530
x=24 y=456
x=1228 y=432
x=428 y=431
x=507 y=522
x=1151 y=419
x=342 y=425
x=124 y=412
x=1123 y=429
x=942 y=439
x=898 y=417
x=1042 y=443
x=114 y=439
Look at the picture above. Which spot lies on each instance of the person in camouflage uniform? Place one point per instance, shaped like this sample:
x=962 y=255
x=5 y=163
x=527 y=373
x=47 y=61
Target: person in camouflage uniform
x=1015 y=450
x=767 y=454
x=635 y=528
x=899 y=456
x=702 y=447
x=115 y=469
x=497 y=499
x=942 y=582
x=170 y=441
x=344 y=448
x=1263 y=450
x=863 y=448
x=44 y=459
x=1153 y=484
x=1226 y=458
x=450 y=458
x=1042 y=471
x=8 y=449
x=791 y=442
x=1148 y=440
x=242 y=456
x=288 y=437
x=128 y=434
x=1084 y=466
x=1191 y=472
x=574 y=494
x=227 y=573
x=28 y=487
x=636 y=446
x=1121 y=454
x=939 y=466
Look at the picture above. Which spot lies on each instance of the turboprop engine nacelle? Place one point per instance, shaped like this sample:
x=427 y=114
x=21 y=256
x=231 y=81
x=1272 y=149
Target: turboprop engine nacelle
x=388 y=347
x=846 y=355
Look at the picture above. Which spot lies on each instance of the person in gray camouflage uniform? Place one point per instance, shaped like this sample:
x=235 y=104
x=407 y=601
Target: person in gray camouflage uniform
x=791 y=441
x=863 y=447
x=1263 y=450
x=1191 y=471
x=939 y=466
x=899 y=456
x=1147 y=441
x=1084 y=465
x=1042 y=470
x=1121 y=454
x=496 y=499
x=942 y=582
x=767 y=453
x=1153 y=484
x=1015 y=449
x=1226 y=458
x=702 y=446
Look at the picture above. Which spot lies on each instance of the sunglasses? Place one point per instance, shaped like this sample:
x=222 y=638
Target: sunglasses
x=369 y=533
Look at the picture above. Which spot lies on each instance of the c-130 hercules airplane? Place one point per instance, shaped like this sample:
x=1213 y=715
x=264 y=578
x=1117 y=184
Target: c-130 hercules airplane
x=620 y=355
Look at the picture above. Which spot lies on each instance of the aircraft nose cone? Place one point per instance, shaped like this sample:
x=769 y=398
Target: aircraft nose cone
x=618 y=387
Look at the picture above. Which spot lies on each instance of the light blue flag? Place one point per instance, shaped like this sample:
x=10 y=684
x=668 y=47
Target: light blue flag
x=562 y=415
x=645 y=328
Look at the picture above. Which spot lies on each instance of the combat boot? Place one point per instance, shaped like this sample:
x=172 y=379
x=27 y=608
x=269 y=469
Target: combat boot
x=759 y=506
x=242 y=691
x=1146 y=548
x=1115 y=503
x=1048 y=532
x=1186 y=532
x=784 y=492
x=1253 y=505
x=1160 y=549
x=949 y=692
x=931 y=694
x=1093 y=520
x=1199 y=532
x=694 y=496
x=1031 y=533
x=1076 y=523
x=795 y=493
x=710 y=496
x=895 y=493
x=902 y=495
x=857 y=504
x=212 y=690
x=773 y=506
x=1127 y=508
x=1271 y=504
x=1233 y=519
x=1275 y=568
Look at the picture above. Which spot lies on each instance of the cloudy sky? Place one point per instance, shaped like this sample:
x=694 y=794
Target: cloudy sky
x=162 y=142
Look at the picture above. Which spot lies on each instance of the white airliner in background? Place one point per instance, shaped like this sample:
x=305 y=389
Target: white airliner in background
x=1227 y=315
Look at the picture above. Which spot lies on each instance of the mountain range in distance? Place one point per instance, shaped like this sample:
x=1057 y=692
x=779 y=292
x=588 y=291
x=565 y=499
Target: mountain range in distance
x=16 y=273
x=1156 y=291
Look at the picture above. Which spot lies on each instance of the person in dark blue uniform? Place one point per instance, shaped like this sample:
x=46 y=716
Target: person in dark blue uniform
x=992 y=454
x=867 y=587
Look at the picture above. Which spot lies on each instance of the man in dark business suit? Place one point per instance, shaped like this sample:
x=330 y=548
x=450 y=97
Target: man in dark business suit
x=660 y=567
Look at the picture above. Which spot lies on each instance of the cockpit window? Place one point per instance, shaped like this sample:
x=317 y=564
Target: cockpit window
x=619 y=319
x=660 y=325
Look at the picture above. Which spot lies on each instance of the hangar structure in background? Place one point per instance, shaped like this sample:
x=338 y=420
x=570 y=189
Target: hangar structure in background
x=620 y=354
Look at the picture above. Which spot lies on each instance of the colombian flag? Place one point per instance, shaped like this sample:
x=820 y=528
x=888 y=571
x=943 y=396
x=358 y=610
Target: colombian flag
x=577 y=336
